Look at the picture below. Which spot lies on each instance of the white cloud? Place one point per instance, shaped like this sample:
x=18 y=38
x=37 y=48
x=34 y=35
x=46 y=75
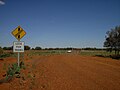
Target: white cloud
x=2 y=3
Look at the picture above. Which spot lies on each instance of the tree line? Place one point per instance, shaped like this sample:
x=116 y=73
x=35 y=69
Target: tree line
x=40 y=48
x=11 y=48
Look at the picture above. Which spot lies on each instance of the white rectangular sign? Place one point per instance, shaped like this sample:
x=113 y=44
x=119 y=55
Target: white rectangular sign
x=18 y=46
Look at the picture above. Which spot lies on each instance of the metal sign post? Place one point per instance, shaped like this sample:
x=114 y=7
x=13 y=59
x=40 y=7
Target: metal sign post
x=18 y=46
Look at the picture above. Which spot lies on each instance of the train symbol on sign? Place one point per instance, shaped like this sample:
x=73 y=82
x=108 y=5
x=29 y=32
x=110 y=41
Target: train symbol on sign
x=18 y=33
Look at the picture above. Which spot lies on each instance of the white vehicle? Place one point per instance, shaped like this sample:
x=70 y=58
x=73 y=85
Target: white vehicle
x=69 y=51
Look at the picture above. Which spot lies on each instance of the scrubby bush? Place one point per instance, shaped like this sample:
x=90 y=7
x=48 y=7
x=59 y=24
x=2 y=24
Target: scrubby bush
x=38 y=48
x=27 y=47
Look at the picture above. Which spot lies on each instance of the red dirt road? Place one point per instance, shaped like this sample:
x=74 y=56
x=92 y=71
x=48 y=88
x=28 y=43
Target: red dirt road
x=71 y=72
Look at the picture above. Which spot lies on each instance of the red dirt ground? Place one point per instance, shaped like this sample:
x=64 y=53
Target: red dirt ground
x=65 y=72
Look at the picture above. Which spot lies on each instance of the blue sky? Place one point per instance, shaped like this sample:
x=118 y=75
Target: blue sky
x=59 y=23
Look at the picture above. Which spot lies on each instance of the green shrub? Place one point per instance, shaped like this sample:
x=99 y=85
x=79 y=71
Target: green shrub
x=13 y=69
x=10 y=71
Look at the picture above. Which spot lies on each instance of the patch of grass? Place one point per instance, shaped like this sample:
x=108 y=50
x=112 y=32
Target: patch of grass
x=4 y=55
x=96 y=53
x=103 y=53
x=47 y=52
x=7 y=54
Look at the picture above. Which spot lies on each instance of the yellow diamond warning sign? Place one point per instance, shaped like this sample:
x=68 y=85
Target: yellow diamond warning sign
x=18 y=33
